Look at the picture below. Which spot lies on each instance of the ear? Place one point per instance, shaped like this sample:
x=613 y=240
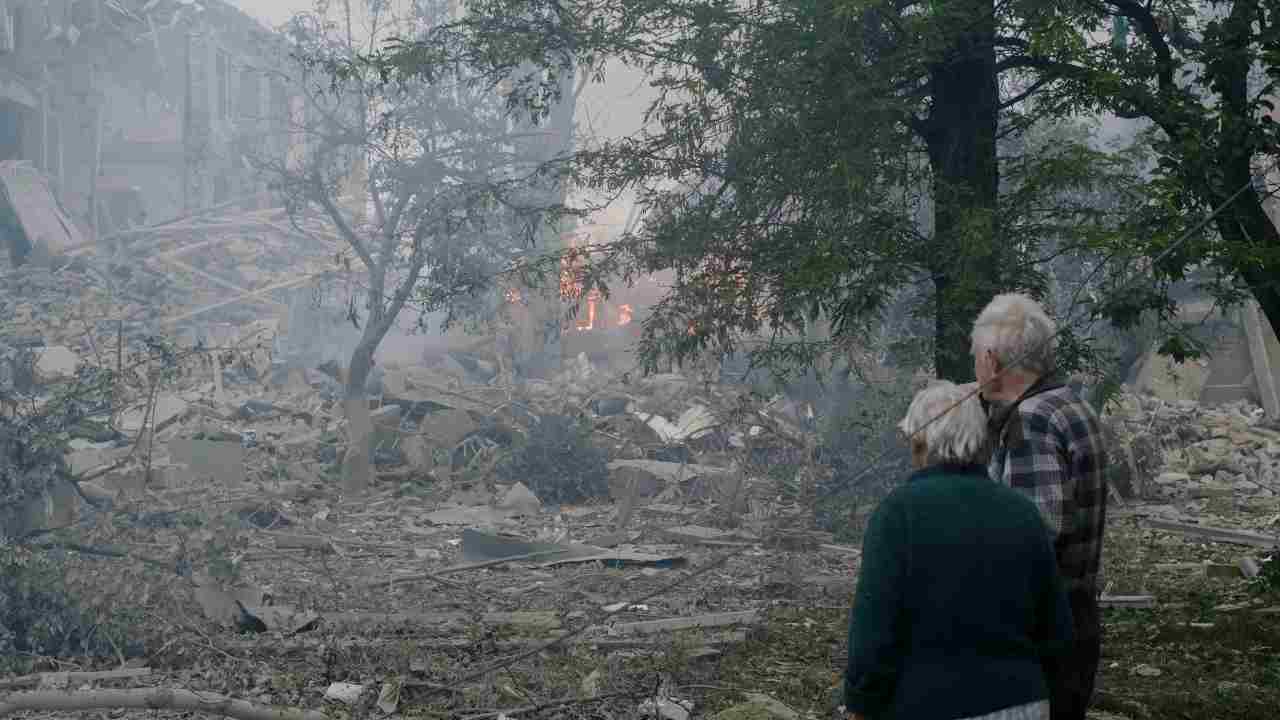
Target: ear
x=993 y=361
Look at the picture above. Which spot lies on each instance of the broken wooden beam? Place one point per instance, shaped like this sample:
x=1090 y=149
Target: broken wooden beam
x=241 y=298
x=1216 y=534
x=1140 y=602
x=649 y=627
x=187 y=267
x=64 y=679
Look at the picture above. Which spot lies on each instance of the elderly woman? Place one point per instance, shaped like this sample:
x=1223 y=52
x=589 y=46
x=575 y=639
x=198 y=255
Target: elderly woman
x=959 y=602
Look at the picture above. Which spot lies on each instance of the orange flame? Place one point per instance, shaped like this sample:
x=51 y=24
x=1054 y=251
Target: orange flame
x=588 y=321
x=624 y=314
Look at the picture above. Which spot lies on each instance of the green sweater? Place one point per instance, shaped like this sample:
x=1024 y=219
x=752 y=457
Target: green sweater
x=958 y=601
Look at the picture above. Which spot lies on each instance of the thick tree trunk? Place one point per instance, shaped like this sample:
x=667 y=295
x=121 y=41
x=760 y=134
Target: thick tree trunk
x=1246 y=227
x=960 y=134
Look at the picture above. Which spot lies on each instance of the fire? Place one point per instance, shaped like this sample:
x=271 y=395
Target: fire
x=587 y=321
x=596 y=313
x=513 y=296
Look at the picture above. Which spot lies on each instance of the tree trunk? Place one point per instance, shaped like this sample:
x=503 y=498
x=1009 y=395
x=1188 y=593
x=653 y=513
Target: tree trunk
x=357 y=465
x=960 y=134
x=1246 y=227
x=540 y=355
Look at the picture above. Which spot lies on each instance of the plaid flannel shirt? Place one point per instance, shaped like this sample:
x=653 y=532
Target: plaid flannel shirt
x=1049 y=446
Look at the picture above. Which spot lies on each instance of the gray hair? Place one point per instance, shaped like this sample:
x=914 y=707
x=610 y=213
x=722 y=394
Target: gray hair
x=1019 y=332
x=959 y=434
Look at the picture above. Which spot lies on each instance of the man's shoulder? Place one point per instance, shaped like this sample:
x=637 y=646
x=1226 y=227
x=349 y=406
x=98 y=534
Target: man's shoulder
x=1060 y=409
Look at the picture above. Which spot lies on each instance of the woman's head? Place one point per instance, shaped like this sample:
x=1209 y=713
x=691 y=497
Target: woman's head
x=958 y=435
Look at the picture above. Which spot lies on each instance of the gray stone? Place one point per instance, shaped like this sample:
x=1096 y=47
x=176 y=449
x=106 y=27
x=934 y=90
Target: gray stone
x=521 y=500
x=210 y=460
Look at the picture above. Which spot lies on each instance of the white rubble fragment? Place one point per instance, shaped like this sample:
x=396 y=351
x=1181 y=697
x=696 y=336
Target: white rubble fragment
x=168 y=408
x=348 y=693
x=56 y=362
x=668 y=708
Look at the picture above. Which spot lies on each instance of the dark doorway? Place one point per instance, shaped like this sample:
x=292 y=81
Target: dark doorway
x=13 y=119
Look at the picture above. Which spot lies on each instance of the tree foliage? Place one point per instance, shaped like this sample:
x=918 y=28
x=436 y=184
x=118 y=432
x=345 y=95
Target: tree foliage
x=801 y=169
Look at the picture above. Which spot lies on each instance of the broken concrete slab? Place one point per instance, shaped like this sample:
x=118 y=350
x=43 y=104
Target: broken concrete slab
x=480 y=546
x=466 y=517
x=520 y=500
x=446 y=428
x=56 y=363
x=85 y=461
x=168 y=410
x=625 y=479
x=666 y=708
x=217 y=461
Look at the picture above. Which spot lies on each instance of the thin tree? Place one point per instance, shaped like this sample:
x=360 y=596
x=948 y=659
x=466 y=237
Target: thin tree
x=422 y=180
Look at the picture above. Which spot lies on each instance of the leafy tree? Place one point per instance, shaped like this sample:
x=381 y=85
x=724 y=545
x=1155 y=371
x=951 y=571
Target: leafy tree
x=440 y=178
x=805 y=161
x=1203 y=74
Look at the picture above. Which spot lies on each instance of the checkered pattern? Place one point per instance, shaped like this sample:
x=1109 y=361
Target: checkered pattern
x=1050 y=448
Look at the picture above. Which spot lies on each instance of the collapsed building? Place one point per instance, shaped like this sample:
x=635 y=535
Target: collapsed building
x=138 y=108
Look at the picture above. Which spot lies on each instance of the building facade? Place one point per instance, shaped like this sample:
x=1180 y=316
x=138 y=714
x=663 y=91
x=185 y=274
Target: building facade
x=146 y=109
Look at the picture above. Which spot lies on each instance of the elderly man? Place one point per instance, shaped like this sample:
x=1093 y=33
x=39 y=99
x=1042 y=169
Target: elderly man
x=959 y=604
x=1047 y=443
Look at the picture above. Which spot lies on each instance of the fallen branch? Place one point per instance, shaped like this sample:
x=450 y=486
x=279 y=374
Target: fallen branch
x=152 y=699
x=1216 y=534
x=435 y=576
x=73 y=677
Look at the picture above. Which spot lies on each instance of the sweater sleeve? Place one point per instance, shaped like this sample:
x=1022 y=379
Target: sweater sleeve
x=875 y=642
x=1054 y=623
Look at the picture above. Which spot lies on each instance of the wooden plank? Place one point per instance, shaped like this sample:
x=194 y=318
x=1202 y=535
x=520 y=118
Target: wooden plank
x=650 y=627
x=1216 y=534
x=1142 y=602
x=218 y=281
x=232 y=301
x=1262 y=375
x=64 y=679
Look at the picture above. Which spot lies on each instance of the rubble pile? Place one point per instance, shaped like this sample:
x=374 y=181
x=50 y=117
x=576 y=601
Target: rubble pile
x=1184 y=450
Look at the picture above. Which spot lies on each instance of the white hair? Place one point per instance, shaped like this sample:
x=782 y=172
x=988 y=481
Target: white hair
x=959 y=434
x=1019 y=332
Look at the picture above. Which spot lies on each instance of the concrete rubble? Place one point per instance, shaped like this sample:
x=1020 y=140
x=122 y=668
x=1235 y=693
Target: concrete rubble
x=247 y=432
x=685 y=464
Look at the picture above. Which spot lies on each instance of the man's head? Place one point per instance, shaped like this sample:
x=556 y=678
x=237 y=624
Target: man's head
x=1013 y=346
x=945 y=423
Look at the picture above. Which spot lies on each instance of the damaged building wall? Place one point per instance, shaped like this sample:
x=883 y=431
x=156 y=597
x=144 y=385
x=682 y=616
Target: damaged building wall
x=139 y=107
